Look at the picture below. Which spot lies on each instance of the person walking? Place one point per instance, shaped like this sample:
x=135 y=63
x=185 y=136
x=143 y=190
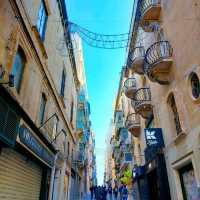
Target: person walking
x=124 y=193
x=95 y=192
x=120 y=192
x=92 y=192
x=115 y=192
x=110 y=192
x=105 y=193
x=99 y=193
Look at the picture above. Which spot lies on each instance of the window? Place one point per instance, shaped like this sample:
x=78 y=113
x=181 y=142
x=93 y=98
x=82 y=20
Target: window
x=172 y=104
x=42 y=20
x=68 y=148
x=188 y=183
x=72 y=111
x=18 y=68
x=150 y=122
x=72 y=155
x=42 y=109
x=62 y=90
x=195 y=85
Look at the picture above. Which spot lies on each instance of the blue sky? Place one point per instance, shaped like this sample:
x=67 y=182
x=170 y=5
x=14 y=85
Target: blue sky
x=102 y=66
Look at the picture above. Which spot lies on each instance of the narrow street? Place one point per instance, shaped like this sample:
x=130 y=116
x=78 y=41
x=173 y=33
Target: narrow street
x=99 y=100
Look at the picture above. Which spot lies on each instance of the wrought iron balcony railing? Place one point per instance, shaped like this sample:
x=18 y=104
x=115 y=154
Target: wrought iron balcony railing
x=136 y=60
x=130 y=87
x=158 y=51
x=133 y=124
x=150 y=12
x=159 y=60
x=142 y=102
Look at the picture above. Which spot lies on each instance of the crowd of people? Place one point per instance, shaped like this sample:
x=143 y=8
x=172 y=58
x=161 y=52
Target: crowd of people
x=109 y=193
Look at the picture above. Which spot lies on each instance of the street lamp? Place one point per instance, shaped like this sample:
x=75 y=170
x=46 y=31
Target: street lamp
x=10 y=80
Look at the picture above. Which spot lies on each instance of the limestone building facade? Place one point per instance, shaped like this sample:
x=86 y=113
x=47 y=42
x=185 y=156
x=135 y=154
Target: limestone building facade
x=163 y=62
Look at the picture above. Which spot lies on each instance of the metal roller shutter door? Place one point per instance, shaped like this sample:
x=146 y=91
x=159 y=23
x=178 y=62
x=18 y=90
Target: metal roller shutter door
x=20 y=179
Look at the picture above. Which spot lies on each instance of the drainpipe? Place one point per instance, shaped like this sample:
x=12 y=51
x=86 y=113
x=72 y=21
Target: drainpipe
x=51 y=188
x=61 y=192
x=63 y=170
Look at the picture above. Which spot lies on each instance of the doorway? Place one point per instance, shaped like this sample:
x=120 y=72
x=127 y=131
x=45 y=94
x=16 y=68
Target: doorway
x=153 y=185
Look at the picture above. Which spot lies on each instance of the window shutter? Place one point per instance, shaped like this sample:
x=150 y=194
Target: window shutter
x=9 y=124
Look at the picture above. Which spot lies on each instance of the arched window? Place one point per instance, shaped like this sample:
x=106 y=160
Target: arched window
x=172 y=104
x=18 y=68
x=62 y=88
x=72 y=112
x=42 y=109
x=195 y=85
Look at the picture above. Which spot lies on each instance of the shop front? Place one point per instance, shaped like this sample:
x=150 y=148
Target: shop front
x=190 y=189
x=155 y=167
x=150 y=182
x=140 y=185
x=25 y=159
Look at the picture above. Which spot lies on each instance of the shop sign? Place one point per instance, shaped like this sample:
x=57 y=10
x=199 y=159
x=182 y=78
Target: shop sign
x=27 y=138
x=154 y=137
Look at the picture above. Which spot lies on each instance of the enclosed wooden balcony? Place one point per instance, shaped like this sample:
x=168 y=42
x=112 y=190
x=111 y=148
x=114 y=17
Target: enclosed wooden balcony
x=133 y=124
x=130 y=87
x=119 y=119
x=150 y=13
x=136 y=60
x=123 y=135
x=159 y=60
x=142 y=102
x=125 y=147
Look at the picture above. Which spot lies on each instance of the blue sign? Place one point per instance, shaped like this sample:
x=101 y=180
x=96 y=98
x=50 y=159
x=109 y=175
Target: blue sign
x=128 y=157
x=27 y=138
x=154 y=137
